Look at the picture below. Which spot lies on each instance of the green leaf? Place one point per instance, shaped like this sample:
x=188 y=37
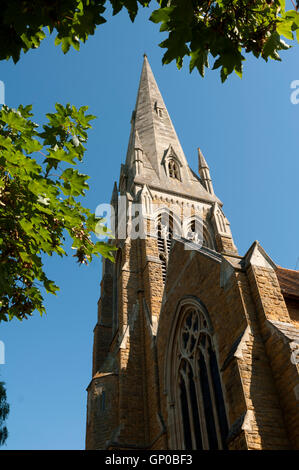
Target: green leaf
x=271 y=46
x=284 y=28
x=61 y=155
x=36 y=214
x=26 y=225
x=31 y=145
x=51 y=287
x=75 y=181
x=162 y=15
x=199 y=59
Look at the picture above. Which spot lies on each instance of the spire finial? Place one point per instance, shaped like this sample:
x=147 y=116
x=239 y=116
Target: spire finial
x=201 y=160
x=204 y=172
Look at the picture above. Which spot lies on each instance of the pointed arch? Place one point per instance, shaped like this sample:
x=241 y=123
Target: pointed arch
x=168 y=216
x=172 y=164
x=167 y=226
x=196 y=408
x=198 y=230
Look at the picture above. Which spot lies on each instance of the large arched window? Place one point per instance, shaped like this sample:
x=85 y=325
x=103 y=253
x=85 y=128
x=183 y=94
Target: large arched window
x=197 y=410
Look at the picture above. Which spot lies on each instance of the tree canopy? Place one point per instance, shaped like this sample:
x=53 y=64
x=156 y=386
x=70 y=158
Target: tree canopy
x=39 y=197
x=224 y=30
x=39 y=191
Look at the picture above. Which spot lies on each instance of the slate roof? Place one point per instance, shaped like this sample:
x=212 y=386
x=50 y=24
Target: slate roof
x=289 y=281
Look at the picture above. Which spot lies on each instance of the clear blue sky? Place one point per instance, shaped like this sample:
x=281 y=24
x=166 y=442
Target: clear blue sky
x=248 y=132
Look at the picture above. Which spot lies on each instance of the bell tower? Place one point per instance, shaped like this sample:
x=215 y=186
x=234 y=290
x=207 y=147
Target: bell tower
x=158 y=199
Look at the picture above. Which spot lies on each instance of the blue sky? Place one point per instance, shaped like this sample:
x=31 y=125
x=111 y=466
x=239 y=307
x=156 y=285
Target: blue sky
x=248 y=132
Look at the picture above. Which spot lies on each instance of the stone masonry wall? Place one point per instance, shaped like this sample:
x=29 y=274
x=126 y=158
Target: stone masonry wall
x=249 y=389
x=276 y=326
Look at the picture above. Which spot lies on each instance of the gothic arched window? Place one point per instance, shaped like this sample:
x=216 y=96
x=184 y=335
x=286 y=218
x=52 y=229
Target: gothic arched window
x=173 y=169
x=198 y=233
x=200 y=418
x=164 y=235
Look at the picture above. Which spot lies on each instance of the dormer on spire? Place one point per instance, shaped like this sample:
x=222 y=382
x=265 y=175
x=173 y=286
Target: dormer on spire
x=159 y=109
x=172 y=164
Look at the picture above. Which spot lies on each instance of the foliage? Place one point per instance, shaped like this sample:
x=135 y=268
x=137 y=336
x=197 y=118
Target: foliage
x=73 y=20
x=223 y=29
x=4 y=410
x=38 y=201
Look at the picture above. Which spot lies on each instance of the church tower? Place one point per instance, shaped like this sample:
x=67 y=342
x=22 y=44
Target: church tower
x=182 y=337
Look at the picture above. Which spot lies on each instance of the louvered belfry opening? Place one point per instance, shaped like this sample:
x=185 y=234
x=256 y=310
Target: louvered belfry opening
x=165 y=235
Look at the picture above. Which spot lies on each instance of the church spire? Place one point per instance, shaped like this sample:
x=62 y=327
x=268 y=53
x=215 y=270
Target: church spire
x=155 y=156
x=152 y=122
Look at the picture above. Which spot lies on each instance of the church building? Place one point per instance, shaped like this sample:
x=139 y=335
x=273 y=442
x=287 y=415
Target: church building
x=195 y=346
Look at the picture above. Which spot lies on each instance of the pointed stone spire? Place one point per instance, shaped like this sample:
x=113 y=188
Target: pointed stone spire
x=204 y=172
x=154 y=145
x=152 y=122
x=201 y=161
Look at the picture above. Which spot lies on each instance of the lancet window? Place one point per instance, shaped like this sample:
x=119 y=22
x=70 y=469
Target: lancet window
x=200 y=408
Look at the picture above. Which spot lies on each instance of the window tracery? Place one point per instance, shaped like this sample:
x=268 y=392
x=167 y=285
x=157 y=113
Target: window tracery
x=173 y=169
x=199 y=234
x=199 y=400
